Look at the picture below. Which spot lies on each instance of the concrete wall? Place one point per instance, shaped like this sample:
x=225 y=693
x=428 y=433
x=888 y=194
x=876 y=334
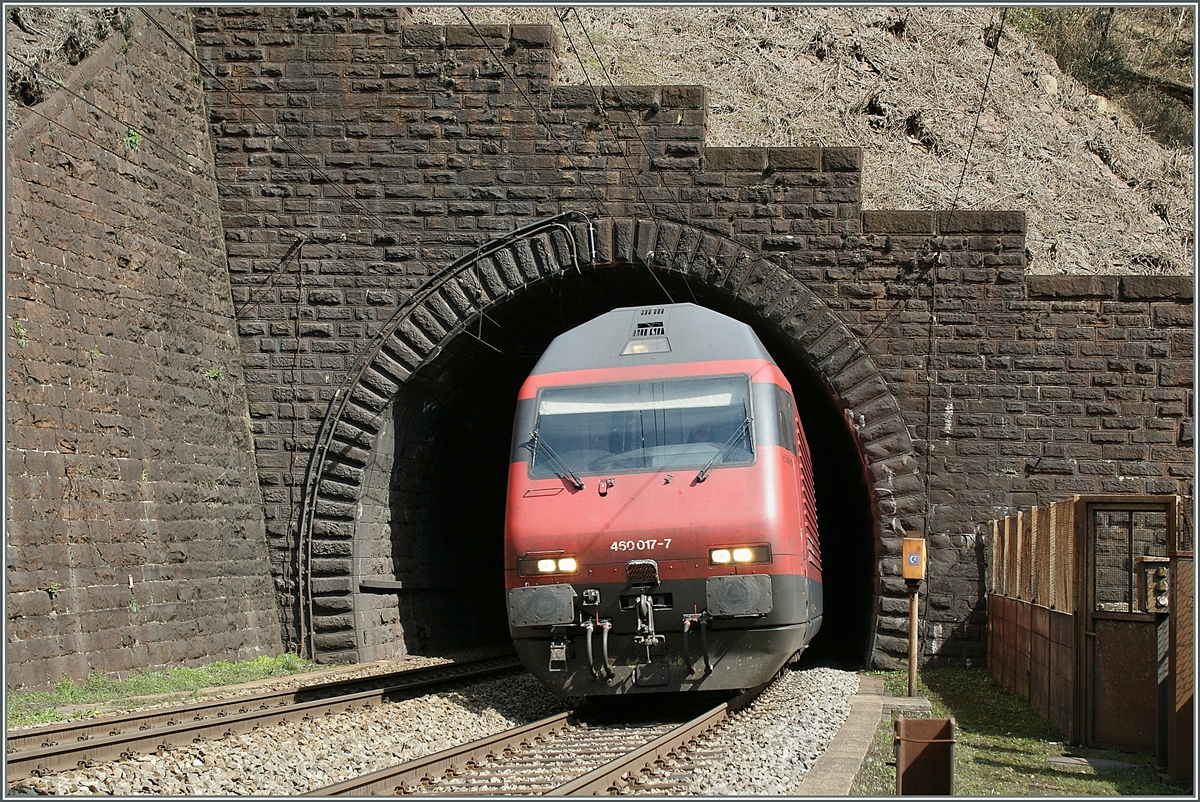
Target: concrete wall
x=133 y=520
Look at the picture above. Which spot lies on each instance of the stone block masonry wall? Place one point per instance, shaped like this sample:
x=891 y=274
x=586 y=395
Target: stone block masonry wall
x=356 y=155
x=133 y=521
x=387 y=150
x=1039 y=388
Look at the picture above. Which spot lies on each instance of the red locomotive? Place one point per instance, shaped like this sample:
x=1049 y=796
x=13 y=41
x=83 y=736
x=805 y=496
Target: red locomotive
x=661 y=531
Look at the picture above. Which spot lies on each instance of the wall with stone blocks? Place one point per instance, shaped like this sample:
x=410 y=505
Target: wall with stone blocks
x=357 y=155
x=133 y=520
x=354 y=156
x=1043 y=387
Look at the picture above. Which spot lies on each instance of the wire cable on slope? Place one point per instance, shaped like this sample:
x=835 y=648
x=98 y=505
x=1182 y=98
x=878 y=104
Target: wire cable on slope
x=542 y=119
x=683 y=215
x=142 y=135
x=931 y=269
x=932 y=345
x=183 y=159
x=161 y=176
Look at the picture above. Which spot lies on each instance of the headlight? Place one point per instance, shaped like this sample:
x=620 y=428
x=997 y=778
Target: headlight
x=739 y=555
x=531 y=565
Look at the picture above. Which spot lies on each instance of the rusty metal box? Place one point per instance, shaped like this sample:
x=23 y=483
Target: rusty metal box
x=924 y=756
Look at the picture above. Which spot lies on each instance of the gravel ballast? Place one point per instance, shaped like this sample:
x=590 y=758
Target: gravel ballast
x=774 y=742
x=766 y=749
x=298 y=756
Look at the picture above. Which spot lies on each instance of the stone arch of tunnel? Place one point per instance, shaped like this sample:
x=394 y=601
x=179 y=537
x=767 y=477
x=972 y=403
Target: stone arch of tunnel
x=428 y=520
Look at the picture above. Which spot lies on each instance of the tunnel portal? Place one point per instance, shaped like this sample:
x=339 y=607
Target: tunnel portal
x=440 y=524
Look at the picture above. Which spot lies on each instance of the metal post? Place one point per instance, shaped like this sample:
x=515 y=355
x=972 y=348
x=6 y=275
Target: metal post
x=913 y=571
x=913 y=588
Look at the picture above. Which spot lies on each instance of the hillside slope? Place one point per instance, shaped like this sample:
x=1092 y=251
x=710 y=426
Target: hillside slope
x=905 y=85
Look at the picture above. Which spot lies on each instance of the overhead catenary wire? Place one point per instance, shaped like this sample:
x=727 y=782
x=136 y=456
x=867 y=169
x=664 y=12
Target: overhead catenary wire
x=616 y=141
x=683 y=215
x=269 y=282
x=1032 y=142
x=541 y=118
x=616 y=93
x=533 y=107
x=549 y=129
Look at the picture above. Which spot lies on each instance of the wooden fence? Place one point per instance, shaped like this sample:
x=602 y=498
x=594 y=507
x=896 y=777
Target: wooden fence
x=1042 y=602
x=1031 y=626
x=1033 y=556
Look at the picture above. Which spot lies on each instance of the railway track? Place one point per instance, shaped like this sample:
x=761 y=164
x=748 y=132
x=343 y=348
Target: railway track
x=59 y=747
x=576 y=753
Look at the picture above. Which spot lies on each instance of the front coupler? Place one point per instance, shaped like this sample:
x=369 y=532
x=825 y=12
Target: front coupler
x=689 y=621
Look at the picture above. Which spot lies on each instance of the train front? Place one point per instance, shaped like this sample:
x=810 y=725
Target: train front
x=658 y=536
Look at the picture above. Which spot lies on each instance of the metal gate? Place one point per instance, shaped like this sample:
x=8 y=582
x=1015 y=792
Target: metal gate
x=1123 y=637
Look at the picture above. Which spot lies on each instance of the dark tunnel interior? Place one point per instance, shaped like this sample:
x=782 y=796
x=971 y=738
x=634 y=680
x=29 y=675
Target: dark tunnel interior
x=454 y=426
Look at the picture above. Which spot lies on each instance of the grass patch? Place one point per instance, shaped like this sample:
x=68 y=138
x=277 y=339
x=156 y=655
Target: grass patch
x=100 y=693
x=1002 y=747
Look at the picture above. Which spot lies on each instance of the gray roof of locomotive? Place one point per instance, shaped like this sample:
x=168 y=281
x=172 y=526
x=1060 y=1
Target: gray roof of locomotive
x=695 y=334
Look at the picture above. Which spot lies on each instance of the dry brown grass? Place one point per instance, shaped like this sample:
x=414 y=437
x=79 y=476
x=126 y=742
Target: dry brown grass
x=43 y=44
x=905 y=84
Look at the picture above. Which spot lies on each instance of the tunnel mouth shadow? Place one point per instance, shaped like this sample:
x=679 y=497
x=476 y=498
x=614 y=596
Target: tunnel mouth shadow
x=453 y=426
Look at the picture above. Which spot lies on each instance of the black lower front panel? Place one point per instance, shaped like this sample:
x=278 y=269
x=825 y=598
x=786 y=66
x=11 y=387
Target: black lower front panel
x=742 y=658
x=727 y=653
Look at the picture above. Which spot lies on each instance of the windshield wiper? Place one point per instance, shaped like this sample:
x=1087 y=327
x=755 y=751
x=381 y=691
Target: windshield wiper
x=729 y=444
x=532 y=445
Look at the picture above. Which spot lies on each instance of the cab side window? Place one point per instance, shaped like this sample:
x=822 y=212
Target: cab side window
x=785 y=419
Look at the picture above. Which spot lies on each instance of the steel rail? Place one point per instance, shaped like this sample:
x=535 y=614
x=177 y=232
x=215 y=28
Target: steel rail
x=86 y=729
x=609 y=776
x=395 y=780
x=64 y=747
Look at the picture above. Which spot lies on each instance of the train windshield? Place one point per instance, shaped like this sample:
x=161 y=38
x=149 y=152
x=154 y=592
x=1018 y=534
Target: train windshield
x=642 y=426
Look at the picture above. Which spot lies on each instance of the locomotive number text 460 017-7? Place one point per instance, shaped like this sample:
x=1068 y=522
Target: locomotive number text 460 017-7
x=639 y=545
